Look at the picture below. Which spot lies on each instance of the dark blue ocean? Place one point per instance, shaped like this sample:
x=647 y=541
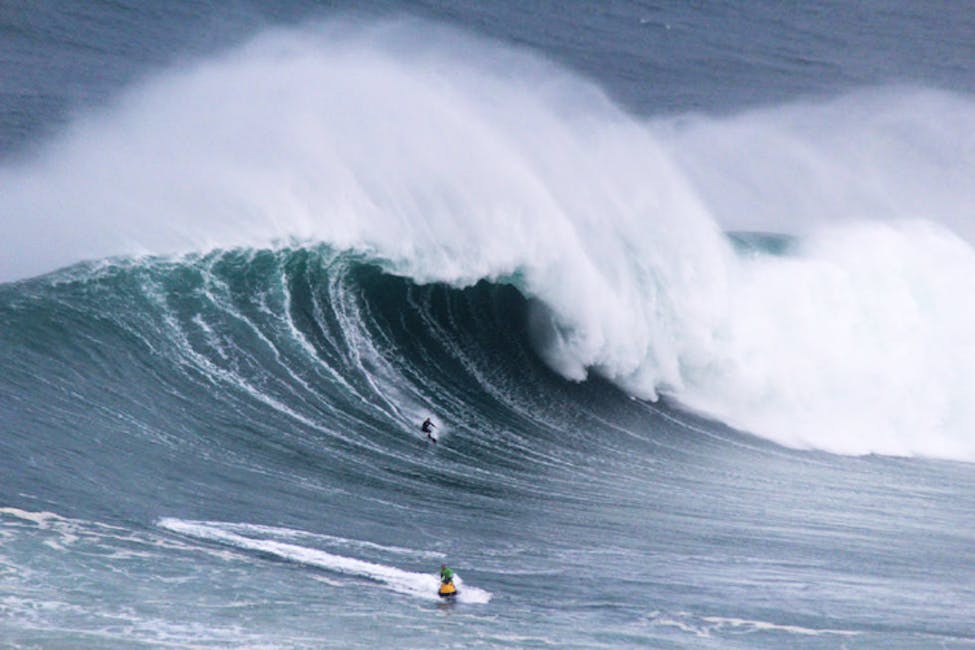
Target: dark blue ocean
x=685 y=286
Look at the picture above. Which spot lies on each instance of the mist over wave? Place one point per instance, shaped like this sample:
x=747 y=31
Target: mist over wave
x=455 y=160
x=882 y=154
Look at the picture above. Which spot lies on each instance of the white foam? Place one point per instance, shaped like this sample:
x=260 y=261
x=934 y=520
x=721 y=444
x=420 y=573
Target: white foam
x=706 y=626
x=419 y=585
x=764 y=626
x=860 y=343
x=43 y=519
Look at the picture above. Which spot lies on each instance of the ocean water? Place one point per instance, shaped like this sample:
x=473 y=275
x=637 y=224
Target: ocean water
x=685 y=287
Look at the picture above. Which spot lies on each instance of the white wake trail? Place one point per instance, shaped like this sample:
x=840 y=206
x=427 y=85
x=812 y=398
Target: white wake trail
x=419 y=585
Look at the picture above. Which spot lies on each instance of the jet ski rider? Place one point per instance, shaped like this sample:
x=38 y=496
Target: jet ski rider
x=446 y=575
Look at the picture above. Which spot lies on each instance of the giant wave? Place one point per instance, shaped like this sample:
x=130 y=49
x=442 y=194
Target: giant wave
x=856 y=338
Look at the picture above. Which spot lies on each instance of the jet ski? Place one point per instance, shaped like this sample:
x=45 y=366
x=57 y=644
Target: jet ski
x=447 y=590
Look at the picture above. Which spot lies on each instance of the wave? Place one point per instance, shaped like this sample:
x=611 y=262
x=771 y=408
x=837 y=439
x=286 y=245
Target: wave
x=455 y=161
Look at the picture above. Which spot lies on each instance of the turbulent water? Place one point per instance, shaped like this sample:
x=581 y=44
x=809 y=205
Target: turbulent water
x=685 y=290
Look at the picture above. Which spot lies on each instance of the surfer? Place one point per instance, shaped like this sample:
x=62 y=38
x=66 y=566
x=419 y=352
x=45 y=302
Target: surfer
x=427 y=427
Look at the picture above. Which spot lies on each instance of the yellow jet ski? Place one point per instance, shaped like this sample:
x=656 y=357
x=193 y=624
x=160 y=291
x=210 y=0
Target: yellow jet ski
x=447 y=590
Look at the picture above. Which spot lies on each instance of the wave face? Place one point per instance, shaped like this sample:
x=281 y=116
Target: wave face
x=290 y=348
x=854 y=340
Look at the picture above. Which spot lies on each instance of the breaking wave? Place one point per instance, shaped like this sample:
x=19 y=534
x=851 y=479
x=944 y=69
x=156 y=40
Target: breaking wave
x=851 y=334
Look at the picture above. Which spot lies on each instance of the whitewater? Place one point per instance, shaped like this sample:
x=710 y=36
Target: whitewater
x=853 y=339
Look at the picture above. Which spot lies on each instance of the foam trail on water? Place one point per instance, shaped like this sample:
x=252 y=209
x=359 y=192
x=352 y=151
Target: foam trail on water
x=449 y=159
x=420 y=585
